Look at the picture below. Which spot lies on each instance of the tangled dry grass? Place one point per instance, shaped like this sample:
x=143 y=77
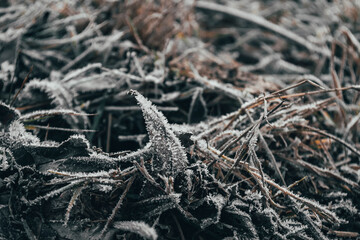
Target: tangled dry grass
x=179 y=119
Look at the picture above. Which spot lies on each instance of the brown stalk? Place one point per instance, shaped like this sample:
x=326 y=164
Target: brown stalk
x=22 y=86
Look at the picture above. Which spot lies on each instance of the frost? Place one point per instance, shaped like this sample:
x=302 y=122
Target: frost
x=17 y=133
x=188 y=174
x=78 y=140
x=53 y=193
x=72 y=202
x=219 y=202
x=95 y=158
x=171 y=155
x=7 y=114
x=141 y=228
x=81 y=71
x=105 y=188
x=184 y=128
x=89 y=83
x=281 y=123
x=5 y=157
x=60 y=96
x=345 y=206
x=37 y=115
x=100 y=174
x=161 y=199
x=137 y=154
x=157 y=205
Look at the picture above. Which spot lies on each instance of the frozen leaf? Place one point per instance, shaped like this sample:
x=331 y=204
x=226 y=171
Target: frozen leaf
x=53 y=193
x=155 y=206
x=146 y=151
x=89 y=83
x=16 y=133
x=60 y=96
x=45 y=154
x=72 y=202
x=55 y=91
x=99 y=174
x=6 y=158
x=240 y=219
x=7 y=114
x=217 y=201
x=81 y=71
x=140 y=228
x=171 y=155
x=41 y=114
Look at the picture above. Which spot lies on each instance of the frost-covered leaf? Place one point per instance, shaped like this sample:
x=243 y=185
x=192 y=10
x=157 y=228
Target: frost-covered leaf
x=46 y=154
x=80 y=72
x=53 y=193
x=16 y=134
x=240 y=219
x=7 y=114
x=38 y=115
x=60 y=96
x=217 y=202
x=6 y=157
x=155 y=206
x=99 y=174
x=171 y=155
x=72 y=202
x=140 y=228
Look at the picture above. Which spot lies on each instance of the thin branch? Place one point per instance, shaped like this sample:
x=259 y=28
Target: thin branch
x=347 y=145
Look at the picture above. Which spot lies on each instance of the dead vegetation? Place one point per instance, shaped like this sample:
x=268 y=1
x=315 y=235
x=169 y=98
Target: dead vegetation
x=179 y=119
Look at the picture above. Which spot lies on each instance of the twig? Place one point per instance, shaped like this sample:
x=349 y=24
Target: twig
x=329 y=216
x=118 y=205
x=264 y=143
x=22 y=86
x=59 y=129
x=354 y=150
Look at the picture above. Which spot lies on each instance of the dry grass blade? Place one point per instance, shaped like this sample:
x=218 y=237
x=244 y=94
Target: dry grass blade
x=73 y=199
x=323 y=212
x=22 y=86
x=347 y=145
x=118 y=205
x=31 y=127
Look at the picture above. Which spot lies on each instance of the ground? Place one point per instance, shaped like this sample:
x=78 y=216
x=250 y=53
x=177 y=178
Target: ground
x=179 y=119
